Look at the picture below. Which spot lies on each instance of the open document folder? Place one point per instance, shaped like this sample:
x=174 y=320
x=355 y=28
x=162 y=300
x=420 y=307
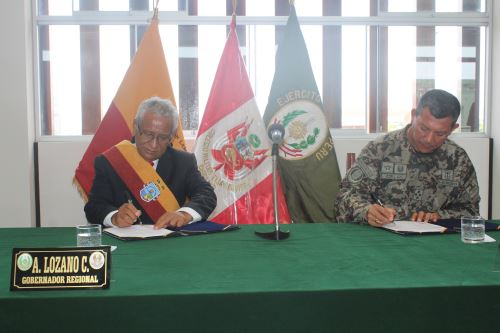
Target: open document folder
x=147 y=231
x=443 y=226
x=411 y=227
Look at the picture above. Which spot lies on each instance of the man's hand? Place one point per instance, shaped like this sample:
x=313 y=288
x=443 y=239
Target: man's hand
x=173 y=219
x=378 y=215
x=126 y=216
x=425 y=217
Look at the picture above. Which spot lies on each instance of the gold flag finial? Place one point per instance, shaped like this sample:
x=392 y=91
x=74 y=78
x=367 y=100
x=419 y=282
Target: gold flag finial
x=155 y=11
x=235 y=5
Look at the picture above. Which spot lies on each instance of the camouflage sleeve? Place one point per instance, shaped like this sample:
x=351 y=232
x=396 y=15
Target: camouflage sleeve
x=353 y=198
x=464 y=199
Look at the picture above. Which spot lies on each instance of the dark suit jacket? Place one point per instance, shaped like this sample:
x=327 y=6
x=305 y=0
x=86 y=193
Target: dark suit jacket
x=178 y=170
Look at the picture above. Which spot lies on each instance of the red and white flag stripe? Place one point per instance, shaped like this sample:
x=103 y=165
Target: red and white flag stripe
x=232 y=147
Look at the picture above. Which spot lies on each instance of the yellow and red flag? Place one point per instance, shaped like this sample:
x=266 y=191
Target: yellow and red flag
x=146 y=76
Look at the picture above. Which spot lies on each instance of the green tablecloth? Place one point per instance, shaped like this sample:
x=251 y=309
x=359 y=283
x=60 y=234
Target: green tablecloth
x=324 y=278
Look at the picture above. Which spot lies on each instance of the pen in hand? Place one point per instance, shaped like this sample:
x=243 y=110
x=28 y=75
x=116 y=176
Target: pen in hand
x=386 y=210
x=129 y=200
x=376 y=200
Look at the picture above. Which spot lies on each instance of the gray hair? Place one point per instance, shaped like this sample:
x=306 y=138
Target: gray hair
x=159 y=106
x=441 y=104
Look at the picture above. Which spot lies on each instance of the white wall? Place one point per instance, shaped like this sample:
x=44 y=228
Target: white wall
x=60 y=202
x=17 y=199
x=62 y=206
x=495 y=107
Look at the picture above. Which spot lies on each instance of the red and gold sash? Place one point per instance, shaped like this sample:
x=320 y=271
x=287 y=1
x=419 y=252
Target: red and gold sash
x=141 y=179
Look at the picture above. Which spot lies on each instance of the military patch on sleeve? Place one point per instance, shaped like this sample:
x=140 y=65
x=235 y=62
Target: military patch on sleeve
x=355 y=174
x=359 y=171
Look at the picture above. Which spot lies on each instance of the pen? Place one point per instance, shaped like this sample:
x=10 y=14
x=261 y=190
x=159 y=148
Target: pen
x=381 y=204
x=129 y=200
x=376 y=200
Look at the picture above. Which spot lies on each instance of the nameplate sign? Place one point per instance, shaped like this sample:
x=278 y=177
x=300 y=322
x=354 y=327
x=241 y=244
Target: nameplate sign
x=60 y=268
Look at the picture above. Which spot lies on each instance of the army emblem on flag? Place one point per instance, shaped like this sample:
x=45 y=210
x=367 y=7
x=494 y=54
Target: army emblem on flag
x=308 y=163
x=305 y=129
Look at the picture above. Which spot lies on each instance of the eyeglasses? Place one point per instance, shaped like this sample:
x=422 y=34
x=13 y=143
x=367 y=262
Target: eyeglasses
x=150 y=136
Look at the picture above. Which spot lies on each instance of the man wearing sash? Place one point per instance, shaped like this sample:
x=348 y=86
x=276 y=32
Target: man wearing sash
x=147 y=180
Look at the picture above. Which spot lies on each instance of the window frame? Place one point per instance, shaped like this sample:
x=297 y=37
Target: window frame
x=383 y=19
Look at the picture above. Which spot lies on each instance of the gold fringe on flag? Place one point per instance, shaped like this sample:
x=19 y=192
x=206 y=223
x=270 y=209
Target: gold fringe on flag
x=80 y=190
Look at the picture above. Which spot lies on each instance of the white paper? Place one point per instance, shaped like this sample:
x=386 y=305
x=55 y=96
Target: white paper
x=139 y=231
x=488 y=239
x=411 y=226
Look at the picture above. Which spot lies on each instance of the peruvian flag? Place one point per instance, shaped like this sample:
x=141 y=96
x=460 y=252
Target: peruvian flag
x=232 y=147
x=147 y=76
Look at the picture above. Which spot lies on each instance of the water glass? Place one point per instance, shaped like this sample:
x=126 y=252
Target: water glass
x=472 y=229
x=88 y=235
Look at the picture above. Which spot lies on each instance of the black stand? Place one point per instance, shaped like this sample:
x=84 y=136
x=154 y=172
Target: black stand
x=277 y=234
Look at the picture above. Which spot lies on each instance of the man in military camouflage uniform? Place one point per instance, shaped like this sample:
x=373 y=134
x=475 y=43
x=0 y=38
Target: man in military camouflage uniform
x=415 y=173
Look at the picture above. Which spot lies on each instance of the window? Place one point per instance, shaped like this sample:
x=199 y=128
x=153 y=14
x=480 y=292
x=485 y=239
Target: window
x=372 y=59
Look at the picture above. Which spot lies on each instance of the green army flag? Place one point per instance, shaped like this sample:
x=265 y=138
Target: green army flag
x=308 y=163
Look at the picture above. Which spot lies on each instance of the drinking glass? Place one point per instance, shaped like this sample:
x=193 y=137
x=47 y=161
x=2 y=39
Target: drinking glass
x=88 y=235
x=472 y=229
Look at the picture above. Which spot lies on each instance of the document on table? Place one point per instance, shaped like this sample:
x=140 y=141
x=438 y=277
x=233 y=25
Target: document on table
x=414 y=227
x=139 y=231
x=145 y=231
x=488 y=239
